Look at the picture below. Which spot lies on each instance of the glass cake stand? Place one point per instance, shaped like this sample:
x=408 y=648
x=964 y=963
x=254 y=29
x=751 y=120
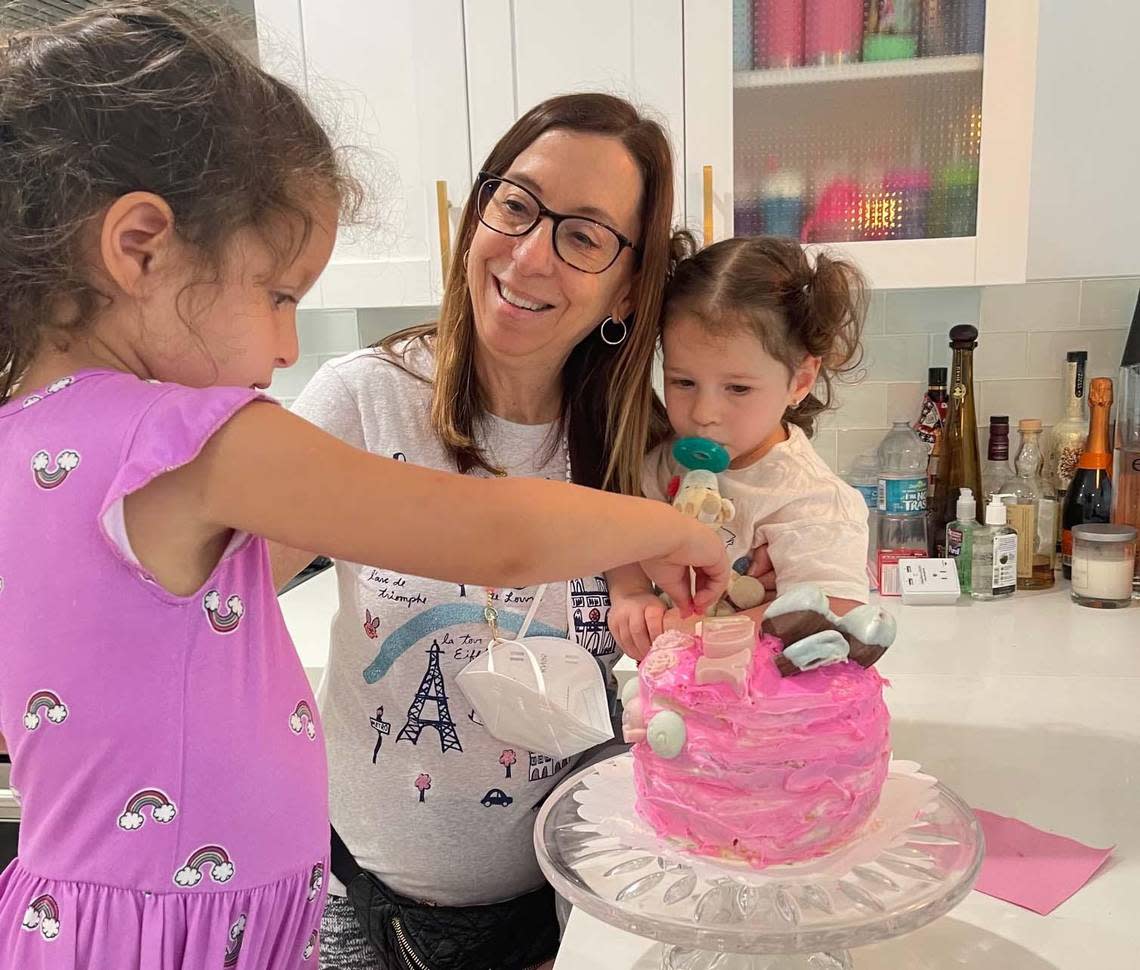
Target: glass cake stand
x=914 y=860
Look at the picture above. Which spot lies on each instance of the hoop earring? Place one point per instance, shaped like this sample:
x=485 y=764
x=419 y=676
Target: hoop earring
x=466 y=255
x=613 y=341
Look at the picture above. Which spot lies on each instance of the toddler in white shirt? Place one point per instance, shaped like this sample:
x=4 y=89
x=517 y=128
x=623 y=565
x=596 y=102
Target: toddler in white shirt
x=752 y=332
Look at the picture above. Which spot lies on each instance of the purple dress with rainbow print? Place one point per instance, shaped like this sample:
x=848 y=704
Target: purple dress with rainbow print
x=170 y=764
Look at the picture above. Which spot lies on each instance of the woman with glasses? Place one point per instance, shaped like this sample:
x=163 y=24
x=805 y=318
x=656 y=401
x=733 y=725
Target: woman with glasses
x=538 y=365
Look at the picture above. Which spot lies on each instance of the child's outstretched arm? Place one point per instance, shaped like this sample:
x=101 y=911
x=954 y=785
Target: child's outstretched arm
x=273 y=474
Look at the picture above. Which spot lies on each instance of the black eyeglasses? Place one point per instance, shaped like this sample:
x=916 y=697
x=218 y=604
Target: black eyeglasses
x=513 y=210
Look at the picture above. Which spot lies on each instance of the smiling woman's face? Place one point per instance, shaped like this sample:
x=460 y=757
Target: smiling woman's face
x=528 y=303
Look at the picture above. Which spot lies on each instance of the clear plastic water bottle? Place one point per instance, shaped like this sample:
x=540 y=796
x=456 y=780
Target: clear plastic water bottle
x=863 y=476
x=901 y=504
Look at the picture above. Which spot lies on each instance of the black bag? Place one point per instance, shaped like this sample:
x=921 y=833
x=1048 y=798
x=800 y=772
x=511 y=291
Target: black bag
x=518 y=934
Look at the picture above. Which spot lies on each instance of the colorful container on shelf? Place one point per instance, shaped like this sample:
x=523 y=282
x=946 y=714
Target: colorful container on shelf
x=891 y=30
x=954 y=202
x=837 y=214
x=779 y=33
x=833 y=31
x=909 y=190
x=782 y=202
x=742 y=34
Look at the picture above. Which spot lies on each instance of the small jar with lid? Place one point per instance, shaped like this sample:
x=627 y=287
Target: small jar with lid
x=1103 y=558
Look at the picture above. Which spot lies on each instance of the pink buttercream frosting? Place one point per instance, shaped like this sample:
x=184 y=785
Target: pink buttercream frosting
x=787 y=769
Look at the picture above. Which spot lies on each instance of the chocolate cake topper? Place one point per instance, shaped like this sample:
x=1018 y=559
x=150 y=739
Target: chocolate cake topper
x=813 y=636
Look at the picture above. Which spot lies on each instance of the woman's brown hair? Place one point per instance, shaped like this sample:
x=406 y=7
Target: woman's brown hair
x=139 y=96
x=610 y=413
x=768 y=285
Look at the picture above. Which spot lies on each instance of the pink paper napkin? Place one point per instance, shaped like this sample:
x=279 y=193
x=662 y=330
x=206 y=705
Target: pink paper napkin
x=1030 y=868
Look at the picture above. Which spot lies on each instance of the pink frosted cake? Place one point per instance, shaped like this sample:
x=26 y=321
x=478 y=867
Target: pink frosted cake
x=733 y=758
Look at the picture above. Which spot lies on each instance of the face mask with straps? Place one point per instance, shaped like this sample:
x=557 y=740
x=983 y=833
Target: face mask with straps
x=545 y=694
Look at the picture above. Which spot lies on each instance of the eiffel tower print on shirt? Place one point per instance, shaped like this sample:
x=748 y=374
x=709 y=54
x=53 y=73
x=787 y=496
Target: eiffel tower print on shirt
x=431 y=689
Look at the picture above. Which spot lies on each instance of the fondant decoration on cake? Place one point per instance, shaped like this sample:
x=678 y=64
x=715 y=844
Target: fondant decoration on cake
x=803 y=620
x=666 y=734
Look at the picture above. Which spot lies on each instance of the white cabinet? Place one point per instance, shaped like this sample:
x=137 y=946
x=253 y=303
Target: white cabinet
x=1085 y=203
x=1018 y=146
x=388 y=79
x=915 y=167
x=520 y=53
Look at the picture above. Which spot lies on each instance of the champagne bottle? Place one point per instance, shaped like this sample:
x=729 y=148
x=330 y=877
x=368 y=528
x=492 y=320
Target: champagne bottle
x=1089 y=498
x=960 y=465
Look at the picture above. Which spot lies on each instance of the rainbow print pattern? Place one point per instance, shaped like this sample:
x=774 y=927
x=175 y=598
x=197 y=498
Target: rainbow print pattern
x=43 y=915
x=47 y=704
x=162 y=809
x=214 y=856
x=316 y=880
x=311 y=946
x=233 y=947
x=48 y=477
x=302 y=720
x=223 y=622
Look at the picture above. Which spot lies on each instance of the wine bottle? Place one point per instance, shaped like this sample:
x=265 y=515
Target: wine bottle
x=1089 y=498
x=932 y=415
x=960 y=465
x=1068 y=437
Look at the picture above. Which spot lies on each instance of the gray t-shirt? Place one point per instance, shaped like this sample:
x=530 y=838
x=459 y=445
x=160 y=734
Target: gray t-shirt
x=423 y=796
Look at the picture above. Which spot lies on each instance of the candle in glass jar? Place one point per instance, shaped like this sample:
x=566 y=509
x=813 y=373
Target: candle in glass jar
x=1103 y=557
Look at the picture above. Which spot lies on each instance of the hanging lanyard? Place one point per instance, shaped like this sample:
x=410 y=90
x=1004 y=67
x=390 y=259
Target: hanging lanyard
x=491 y=615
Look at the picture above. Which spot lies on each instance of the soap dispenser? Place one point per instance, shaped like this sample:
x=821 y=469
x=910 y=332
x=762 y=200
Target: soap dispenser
x=960 y=537
x=993 y=565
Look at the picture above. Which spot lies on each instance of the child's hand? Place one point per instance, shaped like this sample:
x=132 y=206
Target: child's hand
x=701 y=548
x=761 y=568
x=636 y=621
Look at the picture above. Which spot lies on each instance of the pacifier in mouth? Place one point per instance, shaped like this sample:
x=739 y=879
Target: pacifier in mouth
x=701 y=453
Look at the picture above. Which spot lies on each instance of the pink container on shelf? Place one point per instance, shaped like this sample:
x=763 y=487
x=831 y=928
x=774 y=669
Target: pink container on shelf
x=833 y=31
x=909 y=188
x=837 y=214
x=779 y=32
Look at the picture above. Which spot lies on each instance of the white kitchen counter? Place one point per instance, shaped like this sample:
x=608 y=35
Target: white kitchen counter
x=1028 y=707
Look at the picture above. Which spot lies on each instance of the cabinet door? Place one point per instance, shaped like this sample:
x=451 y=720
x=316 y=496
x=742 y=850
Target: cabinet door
x=1085 y=215
x=519 y=54
x=900 y=136
x=388 y=81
